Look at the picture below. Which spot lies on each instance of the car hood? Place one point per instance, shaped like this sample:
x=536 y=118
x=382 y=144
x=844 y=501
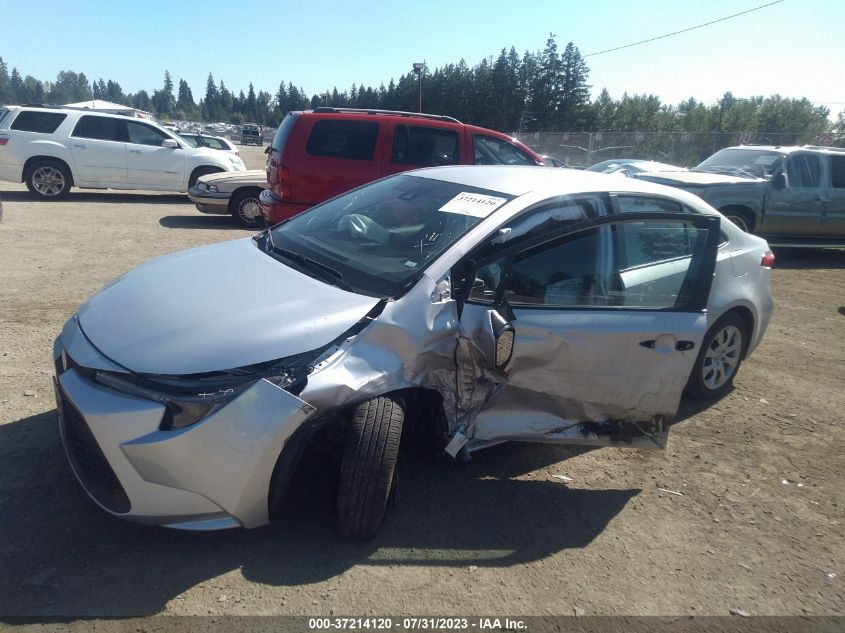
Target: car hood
x=696 y=178
x=257 y=177
x=213 y=308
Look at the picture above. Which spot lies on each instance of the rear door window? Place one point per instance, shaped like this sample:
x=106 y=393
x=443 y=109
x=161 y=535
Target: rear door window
x=38 y=121
x=424 y=146
x=837 y=171
x=214 y=143
x=804 y=171
x=493 y=151
x=101 y=128
x=355 y=140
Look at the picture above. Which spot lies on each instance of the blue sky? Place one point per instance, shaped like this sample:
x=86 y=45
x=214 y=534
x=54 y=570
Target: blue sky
x=794 y=48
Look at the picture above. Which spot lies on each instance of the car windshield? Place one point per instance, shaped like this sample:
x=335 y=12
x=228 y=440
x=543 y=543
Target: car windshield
x=747 y=163
x=379 y=238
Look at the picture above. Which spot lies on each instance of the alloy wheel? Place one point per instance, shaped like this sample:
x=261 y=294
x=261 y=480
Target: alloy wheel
x=48 y=181
x=722 y=357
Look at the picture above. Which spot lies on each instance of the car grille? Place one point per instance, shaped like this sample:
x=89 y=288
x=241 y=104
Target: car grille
x=87 y=459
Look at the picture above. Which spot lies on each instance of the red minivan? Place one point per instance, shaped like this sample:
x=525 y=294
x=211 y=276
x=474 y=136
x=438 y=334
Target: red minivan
x=322 y=153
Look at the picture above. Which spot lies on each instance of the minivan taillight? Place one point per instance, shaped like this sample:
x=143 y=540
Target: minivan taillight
x=768 y=259
x=281 y=184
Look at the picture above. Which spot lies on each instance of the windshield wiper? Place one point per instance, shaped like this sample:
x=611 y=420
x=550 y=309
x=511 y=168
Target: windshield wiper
x=307 y=262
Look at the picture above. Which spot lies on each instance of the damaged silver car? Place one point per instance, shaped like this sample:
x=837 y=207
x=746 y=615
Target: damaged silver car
x=476 y=304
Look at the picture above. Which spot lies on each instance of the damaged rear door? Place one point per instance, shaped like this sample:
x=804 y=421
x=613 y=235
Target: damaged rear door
x=587 y=334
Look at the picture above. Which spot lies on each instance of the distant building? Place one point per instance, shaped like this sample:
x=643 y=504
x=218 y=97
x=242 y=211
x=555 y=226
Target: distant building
x=112 y=108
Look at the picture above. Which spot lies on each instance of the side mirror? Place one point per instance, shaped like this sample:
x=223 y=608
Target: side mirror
x=779 y=181
x=268 y=149
x=170 y=143
x=503 y=335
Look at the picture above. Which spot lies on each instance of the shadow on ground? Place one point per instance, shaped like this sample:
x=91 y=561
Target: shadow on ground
x=106 y=197
x=809 y=258
x=61 y=555
x=215 y=222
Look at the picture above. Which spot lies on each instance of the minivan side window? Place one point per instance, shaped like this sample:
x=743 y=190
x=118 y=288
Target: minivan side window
x=141 y=134
x=355 y=140
x=837 y=171
x=36 y=121
x=424 y=146
x=492 y=151
x=101 y=129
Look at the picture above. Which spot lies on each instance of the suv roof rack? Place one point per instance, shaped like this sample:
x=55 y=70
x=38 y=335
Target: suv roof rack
x=418 y=115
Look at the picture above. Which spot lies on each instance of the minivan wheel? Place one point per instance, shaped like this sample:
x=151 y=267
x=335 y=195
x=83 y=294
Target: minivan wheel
x=367 y=473
x=48 y=179
x=719 y=359
x=246 y=209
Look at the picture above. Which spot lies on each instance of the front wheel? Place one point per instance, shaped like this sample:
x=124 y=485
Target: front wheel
x=367 y=473
x=246 y=209
x=719 y=359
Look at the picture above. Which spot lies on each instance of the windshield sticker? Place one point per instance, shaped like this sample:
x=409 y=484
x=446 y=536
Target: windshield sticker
x=411 y=264
x=474 y=204
x=765 y=160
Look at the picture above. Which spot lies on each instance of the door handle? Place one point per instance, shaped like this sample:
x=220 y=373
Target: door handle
x=681 y=346
x=134 y=151
x=80 y=145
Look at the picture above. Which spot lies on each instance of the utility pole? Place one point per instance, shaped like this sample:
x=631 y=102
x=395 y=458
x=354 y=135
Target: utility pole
x=418 y=70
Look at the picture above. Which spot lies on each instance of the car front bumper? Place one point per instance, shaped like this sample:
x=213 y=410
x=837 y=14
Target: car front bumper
x=213 y=474
x=209 y=202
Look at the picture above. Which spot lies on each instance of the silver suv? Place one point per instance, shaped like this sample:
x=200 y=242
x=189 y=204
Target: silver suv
x=54 y=148
x=794 y=196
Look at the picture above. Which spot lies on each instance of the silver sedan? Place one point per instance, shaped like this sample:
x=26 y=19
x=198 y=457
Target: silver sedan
x=475 y=304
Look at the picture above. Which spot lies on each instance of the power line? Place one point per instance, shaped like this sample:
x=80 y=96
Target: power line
x=692 y=28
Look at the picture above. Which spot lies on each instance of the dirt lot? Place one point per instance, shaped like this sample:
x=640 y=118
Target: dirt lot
x=758 y=527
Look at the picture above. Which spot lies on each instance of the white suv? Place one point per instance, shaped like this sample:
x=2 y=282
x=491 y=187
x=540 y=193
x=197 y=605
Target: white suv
x=54 y=148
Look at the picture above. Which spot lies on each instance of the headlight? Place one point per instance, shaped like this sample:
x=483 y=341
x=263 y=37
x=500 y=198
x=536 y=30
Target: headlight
x=212 y=188
x=189 y=399
x=201 y=186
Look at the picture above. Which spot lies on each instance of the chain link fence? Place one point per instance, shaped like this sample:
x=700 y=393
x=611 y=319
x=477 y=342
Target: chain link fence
x=582 y=149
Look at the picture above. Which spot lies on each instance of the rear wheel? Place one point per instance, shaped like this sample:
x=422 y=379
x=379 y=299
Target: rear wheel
x=48 y=179
x=741 y=217
x=246 y=209
x=719 y=359
x=367 y=474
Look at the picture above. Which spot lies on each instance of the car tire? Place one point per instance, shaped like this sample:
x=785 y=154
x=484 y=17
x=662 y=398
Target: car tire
x=48 y=179
x=719 y=359
x=741 y=217
x=246 y=209
x=367 y=473
x=202 y=171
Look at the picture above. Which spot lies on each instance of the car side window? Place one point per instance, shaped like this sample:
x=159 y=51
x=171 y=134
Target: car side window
x=492 y=151
x=101 y=129
x=35 y=121
x=214 y=143
x=639 y=264
x=424 y=146
x=647 y=204
x=837 y=171
x=804 y=171
x=141 y=134
x=355 y=140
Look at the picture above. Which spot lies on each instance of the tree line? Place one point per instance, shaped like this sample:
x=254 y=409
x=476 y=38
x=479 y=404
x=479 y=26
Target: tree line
x=545 y=90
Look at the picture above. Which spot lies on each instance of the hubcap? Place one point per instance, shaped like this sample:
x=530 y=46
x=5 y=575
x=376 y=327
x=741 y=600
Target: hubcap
x=722 y=357
x=48 y=181
x=249 y=210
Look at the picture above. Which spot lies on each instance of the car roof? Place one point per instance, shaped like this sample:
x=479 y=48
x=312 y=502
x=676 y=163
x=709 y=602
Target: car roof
x=520 y=180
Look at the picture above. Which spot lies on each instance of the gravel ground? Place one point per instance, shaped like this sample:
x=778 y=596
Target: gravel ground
x=758 y=526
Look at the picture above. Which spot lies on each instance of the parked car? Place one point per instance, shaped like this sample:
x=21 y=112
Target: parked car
x=53 y=148
x=552 y=161
x=630 y=166
x=469 y=304
x=211 y=142
x=1 y=210
x=251 y=135
x=319 y=154
x=794 y=196
x=232 y=193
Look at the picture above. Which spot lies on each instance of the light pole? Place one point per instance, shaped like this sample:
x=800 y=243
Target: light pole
x=418 y=70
